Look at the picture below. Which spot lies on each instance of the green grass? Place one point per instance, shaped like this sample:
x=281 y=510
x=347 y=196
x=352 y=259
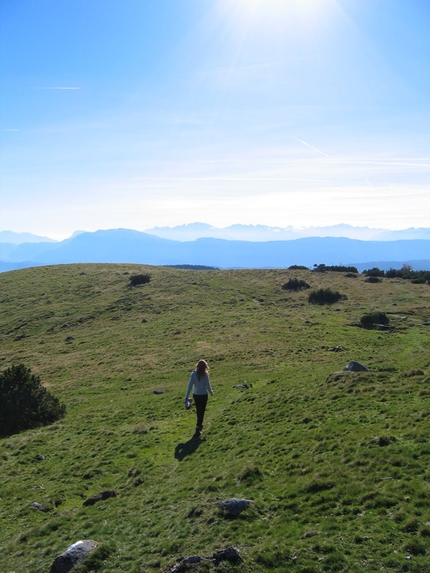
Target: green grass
x=337 y=464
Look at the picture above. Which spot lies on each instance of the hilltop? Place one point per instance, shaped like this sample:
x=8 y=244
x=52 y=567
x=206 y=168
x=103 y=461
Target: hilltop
x=336 y=463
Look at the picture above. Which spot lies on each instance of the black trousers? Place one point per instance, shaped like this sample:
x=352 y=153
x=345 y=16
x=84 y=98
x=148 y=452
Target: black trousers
x=200 y=402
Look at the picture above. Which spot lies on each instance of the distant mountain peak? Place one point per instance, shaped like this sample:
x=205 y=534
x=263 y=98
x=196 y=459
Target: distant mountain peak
x=19 y=238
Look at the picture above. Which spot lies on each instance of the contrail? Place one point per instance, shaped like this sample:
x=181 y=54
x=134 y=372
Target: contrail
x=58 y=88
x=314 y=148
x=370 y=185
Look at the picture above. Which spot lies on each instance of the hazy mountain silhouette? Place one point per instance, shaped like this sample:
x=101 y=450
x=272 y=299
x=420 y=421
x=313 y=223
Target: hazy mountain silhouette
x=193 y=231
x=127 y=246
x=19 y=238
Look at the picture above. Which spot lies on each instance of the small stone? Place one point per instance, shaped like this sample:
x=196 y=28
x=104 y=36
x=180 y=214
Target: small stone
x=158 y=391
x=230 y=554
x=100 y=497
x=235 y=506
x=144 y=320
x=38 y=506
x=193 y=559
x=40 y=457
x=70 y=338
x=354 y=366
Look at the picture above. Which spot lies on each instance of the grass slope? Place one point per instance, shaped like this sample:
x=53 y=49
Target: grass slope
x=337 y=464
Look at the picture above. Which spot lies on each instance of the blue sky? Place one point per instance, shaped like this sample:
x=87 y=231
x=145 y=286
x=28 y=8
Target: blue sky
x=137 y=113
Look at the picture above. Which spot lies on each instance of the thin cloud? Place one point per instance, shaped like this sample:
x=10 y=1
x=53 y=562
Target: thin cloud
x=10 y=129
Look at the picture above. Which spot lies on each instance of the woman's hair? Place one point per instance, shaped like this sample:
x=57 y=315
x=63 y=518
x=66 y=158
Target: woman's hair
x=202 y=368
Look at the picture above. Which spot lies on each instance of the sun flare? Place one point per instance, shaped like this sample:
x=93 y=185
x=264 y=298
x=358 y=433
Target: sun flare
x=287 y=15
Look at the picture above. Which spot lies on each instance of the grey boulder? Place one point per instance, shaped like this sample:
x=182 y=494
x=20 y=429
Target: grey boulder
x=235 y=506
x=354 y=366
x=73 y=555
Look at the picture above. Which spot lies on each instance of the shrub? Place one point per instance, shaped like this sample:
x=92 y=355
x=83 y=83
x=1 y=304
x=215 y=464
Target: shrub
x=298 y=268
x=334 y=268
x=375 y=272
x=369 y=320
x=295 y=284
x=325 y=296
x=372 y=279
x=141 y=279
x=25 y=403
x=394 y=274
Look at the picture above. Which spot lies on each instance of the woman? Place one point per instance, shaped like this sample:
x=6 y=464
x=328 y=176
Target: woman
x=200 y=384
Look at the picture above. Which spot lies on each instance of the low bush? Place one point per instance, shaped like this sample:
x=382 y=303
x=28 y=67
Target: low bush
x=295 y=284
x=372 y=279
x=136 y=280
x=334 y=268
x=369 y=320
x=325 y=296
x=375 y=272
x=25 y=403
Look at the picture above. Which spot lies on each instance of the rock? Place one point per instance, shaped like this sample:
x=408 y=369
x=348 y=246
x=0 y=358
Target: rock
x=243 y=386
x=235 y=506
x=73 y=555
x=144 y=320
x=230 y=554
x=40 y=457
x=38 y=506
x=354 y=366
x=185 y=562
x=100 y=497
x=70 y=338
x=193 y=559
x=158 y=391
x=338 y=349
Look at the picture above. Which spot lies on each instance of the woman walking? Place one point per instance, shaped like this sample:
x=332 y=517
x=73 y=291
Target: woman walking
x=200 y=385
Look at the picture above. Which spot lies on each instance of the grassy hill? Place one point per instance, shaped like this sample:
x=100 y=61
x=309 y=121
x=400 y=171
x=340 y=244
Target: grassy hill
x=336 y=464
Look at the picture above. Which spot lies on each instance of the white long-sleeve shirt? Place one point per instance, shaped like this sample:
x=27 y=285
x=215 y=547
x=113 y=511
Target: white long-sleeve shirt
x=199 y=387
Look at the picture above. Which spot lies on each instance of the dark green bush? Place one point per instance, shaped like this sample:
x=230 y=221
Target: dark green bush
x=295 y=284
x=25 y=403
x=298 y=268
x=141 y=279
x=334 y=268
x=325 y=296
x=372 y=279
x=369 y=320
x=375 y=272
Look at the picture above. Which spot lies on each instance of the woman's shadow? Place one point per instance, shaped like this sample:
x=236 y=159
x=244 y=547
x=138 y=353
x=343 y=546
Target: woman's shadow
x=183 y=450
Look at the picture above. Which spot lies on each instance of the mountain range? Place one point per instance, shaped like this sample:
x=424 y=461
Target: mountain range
x=193 y=231
x=128 y=246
